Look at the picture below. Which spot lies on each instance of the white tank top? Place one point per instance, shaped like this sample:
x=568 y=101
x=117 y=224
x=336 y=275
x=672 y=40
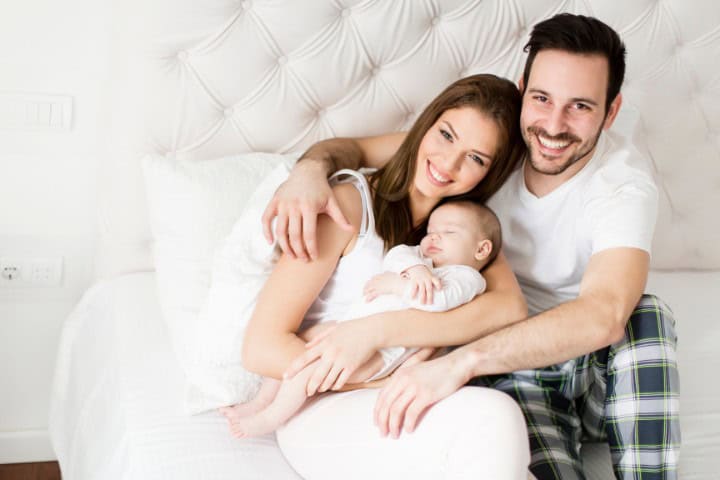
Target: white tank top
x=354 y=269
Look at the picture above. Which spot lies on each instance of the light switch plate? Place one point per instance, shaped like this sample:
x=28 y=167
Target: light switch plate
x=35 y=112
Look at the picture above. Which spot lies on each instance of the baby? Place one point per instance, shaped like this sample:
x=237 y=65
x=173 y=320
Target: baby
x=442 y=273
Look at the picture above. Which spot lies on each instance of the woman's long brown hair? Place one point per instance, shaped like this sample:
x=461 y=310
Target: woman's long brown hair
x=495 y=97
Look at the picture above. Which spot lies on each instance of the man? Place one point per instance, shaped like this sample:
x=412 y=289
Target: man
x=596 y=357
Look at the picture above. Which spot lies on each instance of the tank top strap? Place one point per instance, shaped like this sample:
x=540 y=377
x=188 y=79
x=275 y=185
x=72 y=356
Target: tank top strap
x=357 y=178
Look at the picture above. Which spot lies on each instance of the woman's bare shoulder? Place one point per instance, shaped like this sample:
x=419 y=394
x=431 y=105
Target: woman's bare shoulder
x=350 y=202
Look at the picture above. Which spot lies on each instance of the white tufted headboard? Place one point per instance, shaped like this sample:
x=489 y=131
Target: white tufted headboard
x=201 y=79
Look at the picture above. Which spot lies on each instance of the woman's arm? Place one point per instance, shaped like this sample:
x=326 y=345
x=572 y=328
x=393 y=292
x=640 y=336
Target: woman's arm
x=271 y=341
x=306 y=193
x=502 y=304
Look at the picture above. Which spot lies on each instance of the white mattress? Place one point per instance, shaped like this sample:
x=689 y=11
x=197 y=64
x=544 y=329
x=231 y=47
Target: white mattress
x=116 y=411
x=117 y=406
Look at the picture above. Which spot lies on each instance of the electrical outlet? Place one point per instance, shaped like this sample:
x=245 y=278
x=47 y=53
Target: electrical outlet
x=31 y=271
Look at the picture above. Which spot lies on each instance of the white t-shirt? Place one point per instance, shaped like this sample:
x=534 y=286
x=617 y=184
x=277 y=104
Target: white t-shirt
x=611 y=202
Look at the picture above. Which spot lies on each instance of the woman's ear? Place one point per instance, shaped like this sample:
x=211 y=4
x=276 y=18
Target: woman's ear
x=484 y=249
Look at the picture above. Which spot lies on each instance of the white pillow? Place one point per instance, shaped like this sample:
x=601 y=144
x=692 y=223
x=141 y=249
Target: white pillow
x=193 y=206
x=242 y=264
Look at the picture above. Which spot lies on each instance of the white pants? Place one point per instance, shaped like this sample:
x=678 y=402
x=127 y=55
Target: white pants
x=475 y=433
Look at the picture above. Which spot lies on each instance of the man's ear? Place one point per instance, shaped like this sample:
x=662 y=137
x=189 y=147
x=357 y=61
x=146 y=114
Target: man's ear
x=521 y=85
x=612 y=112
x=484 y=249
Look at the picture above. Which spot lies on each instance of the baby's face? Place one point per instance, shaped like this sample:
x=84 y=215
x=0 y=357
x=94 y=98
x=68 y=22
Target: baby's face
x=450 y=240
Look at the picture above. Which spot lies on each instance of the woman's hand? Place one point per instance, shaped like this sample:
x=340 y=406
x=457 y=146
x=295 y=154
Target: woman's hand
x=317 y=331
x=296 y=204
x=420 y=356
x=339 y=351
x=412 y=390
x=366 y=371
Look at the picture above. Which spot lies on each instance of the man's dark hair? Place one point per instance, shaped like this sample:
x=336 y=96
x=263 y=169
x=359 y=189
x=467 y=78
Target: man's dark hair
x=584 y=35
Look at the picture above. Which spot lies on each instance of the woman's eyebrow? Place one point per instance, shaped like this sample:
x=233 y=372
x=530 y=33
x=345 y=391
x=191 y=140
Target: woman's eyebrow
x=482 y=154
x=452 y=130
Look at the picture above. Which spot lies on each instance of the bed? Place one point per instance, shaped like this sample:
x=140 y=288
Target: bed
x=121 y=414
x=195 y=85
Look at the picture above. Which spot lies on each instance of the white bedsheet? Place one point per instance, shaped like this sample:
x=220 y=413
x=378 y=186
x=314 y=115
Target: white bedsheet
x=117 y=405
x=117 y=413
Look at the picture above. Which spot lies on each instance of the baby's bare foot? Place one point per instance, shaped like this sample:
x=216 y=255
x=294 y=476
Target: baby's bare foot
x=252 y=426
x=239 y=411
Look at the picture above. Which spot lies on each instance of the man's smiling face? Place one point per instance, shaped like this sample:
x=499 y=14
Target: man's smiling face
x=563 y=111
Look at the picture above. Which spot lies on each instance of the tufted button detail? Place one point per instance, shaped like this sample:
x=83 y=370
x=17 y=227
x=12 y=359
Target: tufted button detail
x=229 y=112
x=375 y=71
x=435 y=21
x=282 y=60
x=183 y=56
x=345 y=12
x=322 y=112
x=246 y=4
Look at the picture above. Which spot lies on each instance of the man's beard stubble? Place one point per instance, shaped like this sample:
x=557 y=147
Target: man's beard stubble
x=562 y=137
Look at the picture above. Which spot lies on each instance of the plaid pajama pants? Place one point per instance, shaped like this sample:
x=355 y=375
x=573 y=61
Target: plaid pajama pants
x=626 y=394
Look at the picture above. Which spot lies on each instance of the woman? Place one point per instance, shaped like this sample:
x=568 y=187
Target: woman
x=464 y=144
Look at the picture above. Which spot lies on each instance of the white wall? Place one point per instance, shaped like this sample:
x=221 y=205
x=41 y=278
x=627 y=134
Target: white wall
x=47 y=199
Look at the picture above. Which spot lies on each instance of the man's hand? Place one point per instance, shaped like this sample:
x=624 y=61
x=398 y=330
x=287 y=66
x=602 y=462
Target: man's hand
x=296 y=204
x=422 y=283
x=412 y=390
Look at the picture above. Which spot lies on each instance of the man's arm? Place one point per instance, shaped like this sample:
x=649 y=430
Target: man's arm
x=306 y=193
x=501 y=305
x=337 y=153
x=611 y=287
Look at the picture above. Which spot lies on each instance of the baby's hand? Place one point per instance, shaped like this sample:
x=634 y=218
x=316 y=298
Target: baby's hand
x=387 y=283
x=422 y=283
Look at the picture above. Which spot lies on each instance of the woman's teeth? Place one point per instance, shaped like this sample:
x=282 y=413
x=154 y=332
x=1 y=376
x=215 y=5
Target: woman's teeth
x=436 y=175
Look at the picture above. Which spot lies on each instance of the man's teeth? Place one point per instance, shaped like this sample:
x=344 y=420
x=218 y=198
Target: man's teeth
x=436 y=175
x=554 y=144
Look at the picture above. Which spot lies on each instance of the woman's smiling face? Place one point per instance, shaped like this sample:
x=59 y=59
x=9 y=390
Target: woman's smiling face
x=455 y=153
